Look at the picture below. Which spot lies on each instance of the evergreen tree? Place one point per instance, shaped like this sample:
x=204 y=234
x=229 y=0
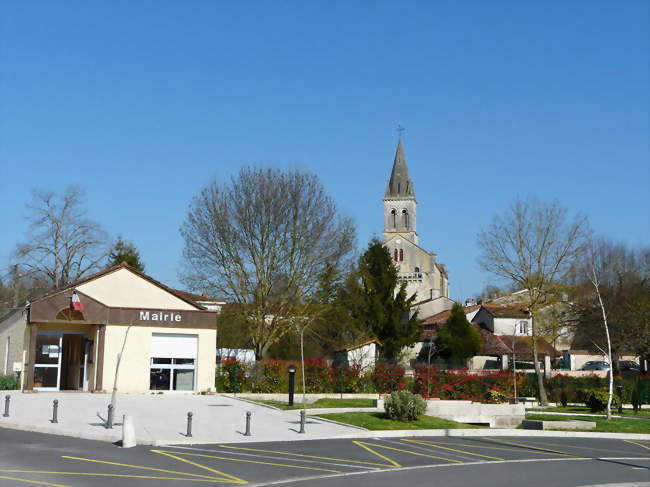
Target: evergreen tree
x=384 y=307
x=458 y=339
x=123 y=251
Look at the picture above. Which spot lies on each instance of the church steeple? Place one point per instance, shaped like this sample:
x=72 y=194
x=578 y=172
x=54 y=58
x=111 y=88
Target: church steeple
x=400 y=184
x=400 y=205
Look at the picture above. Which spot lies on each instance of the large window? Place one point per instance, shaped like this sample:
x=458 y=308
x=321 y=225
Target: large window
x=171 y=374
x=173 y=362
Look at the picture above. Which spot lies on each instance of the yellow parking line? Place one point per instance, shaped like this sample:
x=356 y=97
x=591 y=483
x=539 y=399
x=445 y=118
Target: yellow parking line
x=470 y=445
x=407 y=451
x=637 y=444
x=302 y=455
x=33 y=481
x=204 y=467
x=231 y=459
x=579 y=447
x=117 y=475
x=138 y=467
x=545 y=451
x=365 y=447
x=450 y=449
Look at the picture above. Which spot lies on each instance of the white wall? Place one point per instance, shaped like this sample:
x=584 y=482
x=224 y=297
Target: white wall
x=134 y=368
x=365 y=356
x=510 y=326
x=123 y=288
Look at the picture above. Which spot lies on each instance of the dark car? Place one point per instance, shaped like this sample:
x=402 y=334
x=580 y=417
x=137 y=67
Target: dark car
x=595 y=365
x=628 y=366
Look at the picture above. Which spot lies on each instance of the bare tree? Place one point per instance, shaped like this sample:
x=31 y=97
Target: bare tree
x=533 y=244
x=62 y=245
x=594 y=269
x=263 y=240
x=624 y=289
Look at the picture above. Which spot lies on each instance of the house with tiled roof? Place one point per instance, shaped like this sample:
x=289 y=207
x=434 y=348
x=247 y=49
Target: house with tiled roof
x=504 y=330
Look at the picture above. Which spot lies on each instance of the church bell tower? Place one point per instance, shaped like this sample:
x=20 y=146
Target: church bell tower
x=400 y=204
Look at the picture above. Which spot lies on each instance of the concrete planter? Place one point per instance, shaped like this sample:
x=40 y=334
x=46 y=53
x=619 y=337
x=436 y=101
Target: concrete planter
x=494 y=415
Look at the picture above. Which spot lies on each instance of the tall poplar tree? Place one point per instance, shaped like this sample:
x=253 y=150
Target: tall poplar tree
x=384 y=304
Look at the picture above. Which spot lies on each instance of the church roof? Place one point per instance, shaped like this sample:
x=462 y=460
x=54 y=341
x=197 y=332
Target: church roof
x=400 y=184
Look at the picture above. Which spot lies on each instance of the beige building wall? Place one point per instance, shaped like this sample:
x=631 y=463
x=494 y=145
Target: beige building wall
x=123 y=288
x=12 y=340
x=133 y=375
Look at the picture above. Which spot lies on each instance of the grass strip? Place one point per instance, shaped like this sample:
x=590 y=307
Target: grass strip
x=614 y=425
x=321 y=403
x=381 y=421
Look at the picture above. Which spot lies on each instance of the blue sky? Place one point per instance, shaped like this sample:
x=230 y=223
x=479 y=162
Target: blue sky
x=143 y=103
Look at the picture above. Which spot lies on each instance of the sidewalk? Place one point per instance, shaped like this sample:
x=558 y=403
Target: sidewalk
x=161 y=419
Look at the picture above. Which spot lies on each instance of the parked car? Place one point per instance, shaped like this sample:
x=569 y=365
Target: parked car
x=628 y=366
x=595 y=365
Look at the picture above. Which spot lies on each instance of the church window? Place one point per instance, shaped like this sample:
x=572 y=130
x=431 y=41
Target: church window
x=405 y=218
x=393 y=217
x=401 y=255
x=395 y=256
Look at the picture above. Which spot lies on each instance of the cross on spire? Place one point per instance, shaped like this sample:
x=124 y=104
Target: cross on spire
x=400 y=129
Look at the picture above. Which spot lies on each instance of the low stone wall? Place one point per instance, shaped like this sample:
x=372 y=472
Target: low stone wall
x=297 y=398
x=532 y=424
x=495 y=415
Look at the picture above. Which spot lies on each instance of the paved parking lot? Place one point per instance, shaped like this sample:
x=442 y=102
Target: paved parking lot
x=36 y=459
x=160 y=419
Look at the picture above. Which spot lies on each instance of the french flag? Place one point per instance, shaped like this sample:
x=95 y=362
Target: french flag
x=77 y=305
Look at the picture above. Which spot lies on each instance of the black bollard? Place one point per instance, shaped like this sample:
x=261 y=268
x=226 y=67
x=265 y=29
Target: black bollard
x=7 y=399
x=109 y=417
x=292 y=382
x=248 y=424
x=302 y=421
x=189 y=425
x=55 y=411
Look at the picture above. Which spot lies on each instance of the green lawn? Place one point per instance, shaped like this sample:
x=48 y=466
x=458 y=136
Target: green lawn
x=380 y=421
x=645 y=413
x=620 y=425
x=321 y=403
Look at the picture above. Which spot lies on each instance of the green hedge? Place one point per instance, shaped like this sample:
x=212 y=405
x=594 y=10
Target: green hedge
x=8 y=382
x=270 y=376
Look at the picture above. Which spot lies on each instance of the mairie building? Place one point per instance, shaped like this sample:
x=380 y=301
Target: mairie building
x=73 y=337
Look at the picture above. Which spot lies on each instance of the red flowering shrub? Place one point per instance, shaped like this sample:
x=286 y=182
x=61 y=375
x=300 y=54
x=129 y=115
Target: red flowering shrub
x=387 y=377
x=348 y=379
x=318 y=376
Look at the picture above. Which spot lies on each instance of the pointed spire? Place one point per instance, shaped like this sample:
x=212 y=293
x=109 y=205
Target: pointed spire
x=400 y=184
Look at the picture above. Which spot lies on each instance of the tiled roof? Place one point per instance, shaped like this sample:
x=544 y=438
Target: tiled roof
x=506 y=311
x=441 y=317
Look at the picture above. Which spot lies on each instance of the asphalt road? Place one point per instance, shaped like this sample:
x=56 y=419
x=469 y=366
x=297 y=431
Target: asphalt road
x=46 y=460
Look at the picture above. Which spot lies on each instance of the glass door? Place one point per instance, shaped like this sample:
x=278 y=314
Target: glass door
x=47 y=367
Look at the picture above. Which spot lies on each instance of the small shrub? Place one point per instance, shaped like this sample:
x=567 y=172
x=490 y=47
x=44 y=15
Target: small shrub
x=596 y=400
x=8 y=382
x=232 y=376
x=495 y=396
x=404 y=406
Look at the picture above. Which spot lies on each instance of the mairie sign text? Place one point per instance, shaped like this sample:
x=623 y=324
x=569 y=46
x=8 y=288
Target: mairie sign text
x=159 y=316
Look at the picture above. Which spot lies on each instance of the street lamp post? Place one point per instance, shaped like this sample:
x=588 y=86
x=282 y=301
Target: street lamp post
x=292 y=382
